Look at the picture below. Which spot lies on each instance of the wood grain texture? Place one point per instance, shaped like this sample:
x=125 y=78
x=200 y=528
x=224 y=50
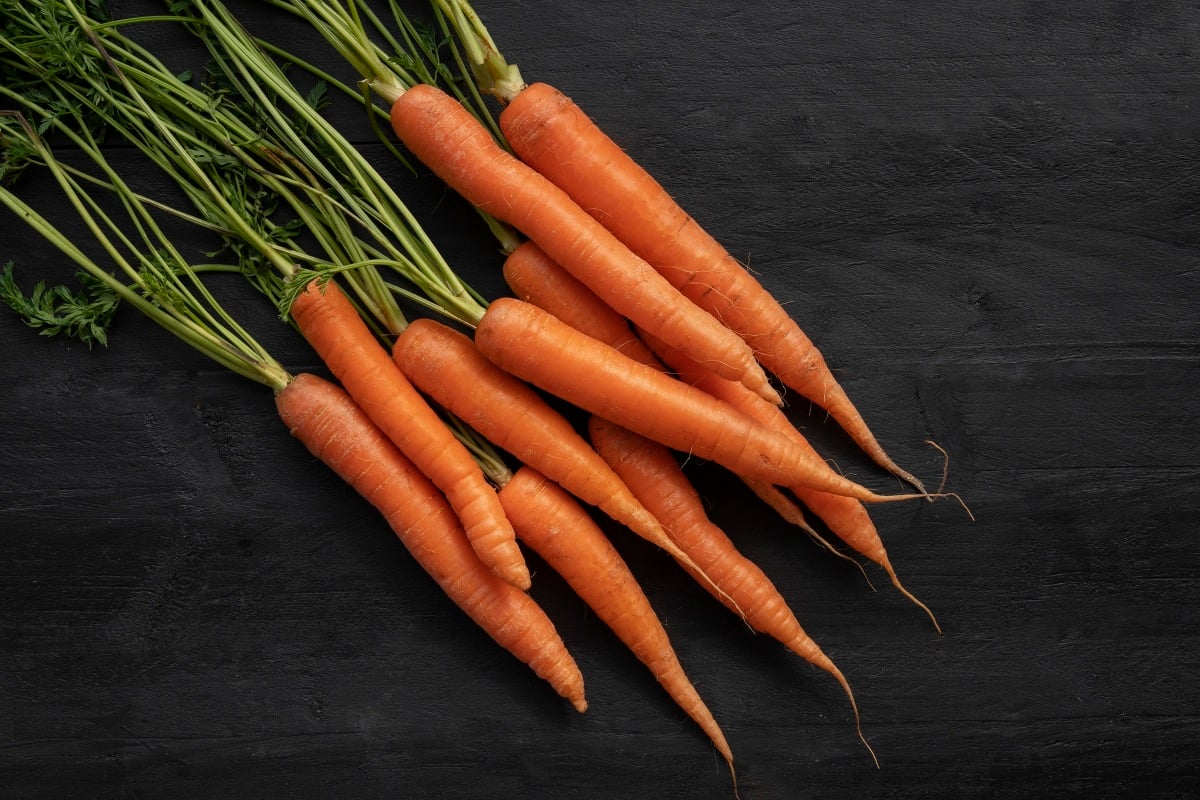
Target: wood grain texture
x=987 y=218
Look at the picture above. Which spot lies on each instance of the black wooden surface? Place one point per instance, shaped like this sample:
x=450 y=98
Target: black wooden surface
x=985 y=214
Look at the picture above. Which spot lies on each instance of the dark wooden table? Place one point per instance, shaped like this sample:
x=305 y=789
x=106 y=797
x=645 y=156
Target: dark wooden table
x=985 y=214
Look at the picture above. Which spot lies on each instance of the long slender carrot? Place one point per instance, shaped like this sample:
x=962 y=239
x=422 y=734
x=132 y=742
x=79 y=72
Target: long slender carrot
x=548 y=520
x=338 y=432
x=334 y=328
x=452 y=142
x=448 y=366
x=547 y=130
x=653 y=474
x=535 y=346
x=536 y=279
x=845 y=516
x=552 y=134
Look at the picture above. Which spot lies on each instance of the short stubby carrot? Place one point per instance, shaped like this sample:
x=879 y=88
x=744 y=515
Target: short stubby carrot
x=557 y=528
x=535 y=346
x=653 y=474
x=334 y=328
x=339 y=433
x=846 y=517
x=548 y=131
x=453 y=143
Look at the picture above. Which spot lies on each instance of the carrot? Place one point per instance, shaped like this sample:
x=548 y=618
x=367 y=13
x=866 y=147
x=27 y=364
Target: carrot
x=338 y=432
x=334 y=328
x=653 y=474
x=535 y=278
x=553 y=135
x=549 y=521
x=845 y=516
x=448 y=366
x=453 y=143
x=148 y=273
x=531 y=344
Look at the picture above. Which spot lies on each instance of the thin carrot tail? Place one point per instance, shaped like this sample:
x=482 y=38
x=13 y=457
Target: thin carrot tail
x=887 y=567
x=831 y=397
x=807 y=649
x=792 y=513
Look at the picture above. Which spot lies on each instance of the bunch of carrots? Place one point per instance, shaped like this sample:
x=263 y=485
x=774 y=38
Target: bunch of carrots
x=623 y=307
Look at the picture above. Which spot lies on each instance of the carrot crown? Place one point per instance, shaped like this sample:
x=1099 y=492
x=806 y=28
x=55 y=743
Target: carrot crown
x=492 y=72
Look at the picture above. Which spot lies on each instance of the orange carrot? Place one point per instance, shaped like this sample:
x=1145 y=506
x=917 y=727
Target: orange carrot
x=552 y=134
x=548 y=520
x=845 y=516
x=451 y=142
x=535 y=278
x=653 y=474
x=535 y=346
x=448 y=366
x=334 y=429
x=334 y=328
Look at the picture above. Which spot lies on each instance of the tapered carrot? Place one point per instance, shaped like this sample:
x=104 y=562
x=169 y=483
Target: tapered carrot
x=548 y=520
x=845 y=516
x=535 y=346
x=334 y=328
x=653 y=474
x=537 y=280
x=550 y=132
x=451 y=142
x=338 y=432
x=448 y=366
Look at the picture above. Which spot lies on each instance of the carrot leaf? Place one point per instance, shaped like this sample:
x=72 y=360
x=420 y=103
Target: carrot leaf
x=84 y=313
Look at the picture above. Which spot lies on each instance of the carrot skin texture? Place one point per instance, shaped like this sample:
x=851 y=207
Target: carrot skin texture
x=339 y=433
x=524 y=340
x=551 y=133
x=451 y=142
x=448 y=366
x=334 y=328
x=549 y=521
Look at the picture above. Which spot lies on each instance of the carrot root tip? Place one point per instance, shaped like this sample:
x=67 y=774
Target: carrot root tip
x=900 y=587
